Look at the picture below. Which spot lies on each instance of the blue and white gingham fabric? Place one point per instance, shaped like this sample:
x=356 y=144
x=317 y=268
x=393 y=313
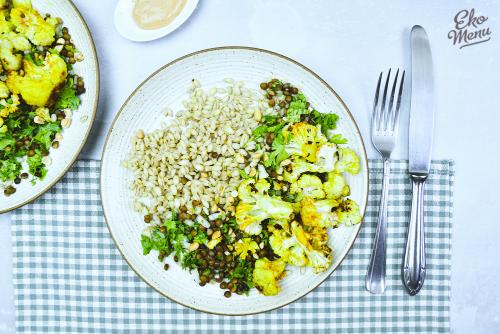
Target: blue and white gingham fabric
x=70 y=278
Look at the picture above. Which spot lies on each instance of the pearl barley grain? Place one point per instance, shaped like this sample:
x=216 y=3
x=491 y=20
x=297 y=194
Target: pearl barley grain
x=203 y=147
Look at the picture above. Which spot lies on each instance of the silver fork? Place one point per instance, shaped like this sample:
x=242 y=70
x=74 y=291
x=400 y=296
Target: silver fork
x=384 y=131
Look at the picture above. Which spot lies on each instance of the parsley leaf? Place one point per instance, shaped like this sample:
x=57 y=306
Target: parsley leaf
x=327 y=121
x=259 y=131
x=297 y=107
x=36 y=165
x=201 y=238
x=244 y=174
x=6 y=139
x=67 y=97
x=147 y=244
x=9 y=169
x=190 y=261
x=278 y=154
x=243 y=272
x=271 y=123
x=337 y=139
x=32 y=58
x=46 y=133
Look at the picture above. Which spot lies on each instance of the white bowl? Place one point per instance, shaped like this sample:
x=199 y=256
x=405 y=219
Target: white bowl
x=76 y=135
x=126 y=26
x=143 y=110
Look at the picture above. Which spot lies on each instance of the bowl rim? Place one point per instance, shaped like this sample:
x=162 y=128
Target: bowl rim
x=208 y=50
x=189 y=9
x=90 y=120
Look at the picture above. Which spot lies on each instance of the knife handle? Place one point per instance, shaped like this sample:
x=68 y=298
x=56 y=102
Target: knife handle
x=414 y=258
x=375 y=277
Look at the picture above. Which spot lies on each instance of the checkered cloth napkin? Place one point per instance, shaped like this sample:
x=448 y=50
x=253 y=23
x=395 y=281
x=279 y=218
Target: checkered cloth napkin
x=70 y=278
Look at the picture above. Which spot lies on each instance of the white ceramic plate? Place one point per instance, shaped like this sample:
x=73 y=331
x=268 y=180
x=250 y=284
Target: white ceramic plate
x=76 y=135
x=126 y=26
x=143 y=110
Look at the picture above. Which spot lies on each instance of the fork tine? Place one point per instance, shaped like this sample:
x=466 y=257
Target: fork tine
x=383 y=116
x=391 y=112
x=395 y=125
x=376 y=108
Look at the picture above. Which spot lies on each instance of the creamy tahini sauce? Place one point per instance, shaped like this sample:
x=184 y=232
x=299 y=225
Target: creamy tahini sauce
x=155 y=14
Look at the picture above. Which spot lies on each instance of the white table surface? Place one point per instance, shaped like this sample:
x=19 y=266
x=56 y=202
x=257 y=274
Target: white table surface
x=348 y=43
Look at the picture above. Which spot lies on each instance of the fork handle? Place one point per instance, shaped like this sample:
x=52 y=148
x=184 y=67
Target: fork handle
x=414 y=258
x=375 y=277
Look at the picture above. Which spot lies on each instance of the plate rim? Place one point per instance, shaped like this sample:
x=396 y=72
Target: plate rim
x=207 y=50
x=89 y=129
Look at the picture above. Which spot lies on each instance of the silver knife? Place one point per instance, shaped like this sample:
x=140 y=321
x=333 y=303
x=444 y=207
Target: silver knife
x=420 y=146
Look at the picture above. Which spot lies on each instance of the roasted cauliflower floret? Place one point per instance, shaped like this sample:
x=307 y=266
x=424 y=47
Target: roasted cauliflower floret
x=39 y=83
x=18 y=41
x=319 y=213
x=266 y=275
x=297 y=247
x=336 y=187
x=245 y=247
x=10 y=60
x=255 y=206
x=5 y=25
x=7 y=108
x=4 y=91
x=326 y=157
x=292 y=171
x=31 y=24
x=348 y=161
x=303 y=140
x=308 y=186
x=348 y=213
x=317 y=258
x=287 y=247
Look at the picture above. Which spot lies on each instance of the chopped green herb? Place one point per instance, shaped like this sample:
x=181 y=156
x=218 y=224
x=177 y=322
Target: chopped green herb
x=243 y=174
x=327 y=121
x=67 y=97
x=337 y=139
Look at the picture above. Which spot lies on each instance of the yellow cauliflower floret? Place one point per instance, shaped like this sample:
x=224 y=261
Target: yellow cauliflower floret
x=287 y=247
x=336 y=187
x=255 y=206
x=244 y=246
x=308 y=186
x=5 y=26
x=19 y=42
x=39 y=83
x=31 y=24
x=326 y=157
x=7 y=109
x=10 y=60
x=348 y=213
x=266 y=275
x=348 y=161
x=292 y=172
x=300 y=248
x=319 y=213
x=303 y=140
x=4 y=91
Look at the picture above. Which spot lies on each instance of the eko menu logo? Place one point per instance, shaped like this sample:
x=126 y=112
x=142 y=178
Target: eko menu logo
x=469 y=29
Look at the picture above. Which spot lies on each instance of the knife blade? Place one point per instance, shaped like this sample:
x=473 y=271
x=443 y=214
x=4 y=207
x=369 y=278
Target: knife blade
x=421 y=128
